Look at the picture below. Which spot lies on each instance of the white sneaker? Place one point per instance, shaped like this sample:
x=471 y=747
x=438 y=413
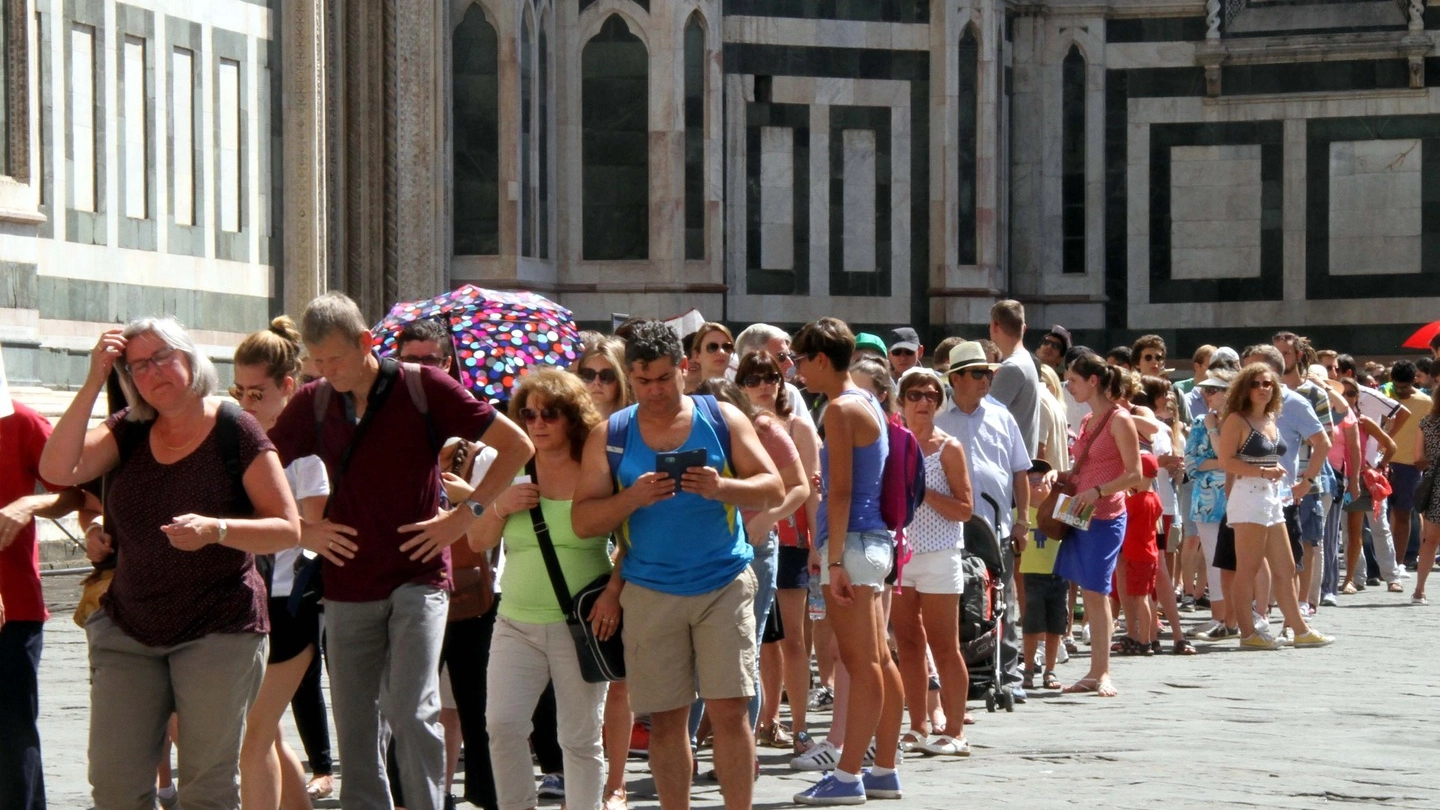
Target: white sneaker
x=1040 y=656
x=1261 y=624
x=1061 y=656
x=1085 y=634
x=821 y=757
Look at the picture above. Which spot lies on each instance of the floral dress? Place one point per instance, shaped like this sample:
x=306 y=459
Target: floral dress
x=1207 y=502
x=1430 y=429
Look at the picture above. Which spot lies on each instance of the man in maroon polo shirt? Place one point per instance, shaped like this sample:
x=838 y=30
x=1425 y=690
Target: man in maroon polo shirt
x=385 y=543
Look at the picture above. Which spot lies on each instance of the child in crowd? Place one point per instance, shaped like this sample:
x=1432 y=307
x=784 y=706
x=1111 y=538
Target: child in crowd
x=1139 y=560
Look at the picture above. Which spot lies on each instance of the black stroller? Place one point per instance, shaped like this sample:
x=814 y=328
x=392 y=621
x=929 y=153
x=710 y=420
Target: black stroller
x=983 y=611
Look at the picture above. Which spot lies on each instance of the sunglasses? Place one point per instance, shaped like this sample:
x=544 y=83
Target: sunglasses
x=548 y=415
x=604 y=375
x=431 y=360
x=921 y=396
x=902 y=352
x=980 y=373
x=1153 y=358
x=1262 y=384
x=756 y=380
x=790 y=357
x=711 y=348
x=255 y=395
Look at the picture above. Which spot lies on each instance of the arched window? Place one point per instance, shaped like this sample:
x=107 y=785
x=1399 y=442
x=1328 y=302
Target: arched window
x=527 y=137
x=477 y=135
x=695 y=137
x=615 y=153
x=1072 y=162
x=967 y=103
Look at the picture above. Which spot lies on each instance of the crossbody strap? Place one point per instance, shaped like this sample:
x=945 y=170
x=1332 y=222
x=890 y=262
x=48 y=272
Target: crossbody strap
x=1085 y=451
x=547 y=549
x=384 y=382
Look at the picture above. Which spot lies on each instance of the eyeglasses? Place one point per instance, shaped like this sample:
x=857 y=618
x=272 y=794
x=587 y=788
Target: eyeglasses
x=757 y=380
x=604 y=375
x=1262 y=384
x=139 y=368
x=1054 y=344
x=787 y=357
x=712 y=347
x=900 y=352
x=431 y=360
x=548 y=415
x=980 y=373
x=255 y=395
x=457 y=463
x=1153 y=358
x=921 y=396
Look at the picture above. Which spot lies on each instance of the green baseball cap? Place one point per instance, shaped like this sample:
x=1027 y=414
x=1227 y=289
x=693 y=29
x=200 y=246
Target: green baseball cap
x=865 y=340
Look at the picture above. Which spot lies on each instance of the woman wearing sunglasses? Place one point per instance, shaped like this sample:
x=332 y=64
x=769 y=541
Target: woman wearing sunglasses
x=786 y=661
x=711 y=352
x=532 y=643
x=602 y=368
x=926 y=606
x=1250 y=449
x=266 y=365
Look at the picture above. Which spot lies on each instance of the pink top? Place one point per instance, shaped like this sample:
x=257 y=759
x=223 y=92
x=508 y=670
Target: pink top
x=1339 y=452
x=1102 y=463
x=779 y=446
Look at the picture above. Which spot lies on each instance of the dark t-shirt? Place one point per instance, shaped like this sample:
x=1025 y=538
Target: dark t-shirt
x=162 y=596
x=393 y=478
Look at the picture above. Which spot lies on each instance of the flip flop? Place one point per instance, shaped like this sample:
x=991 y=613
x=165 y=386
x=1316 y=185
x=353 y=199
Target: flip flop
x=1081 y=687
x=943 y=745
x=969 y=719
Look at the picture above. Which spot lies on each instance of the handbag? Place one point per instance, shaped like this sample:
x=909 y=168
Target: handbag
x=600 y=661
x=1425 y=491
x=1045 y=520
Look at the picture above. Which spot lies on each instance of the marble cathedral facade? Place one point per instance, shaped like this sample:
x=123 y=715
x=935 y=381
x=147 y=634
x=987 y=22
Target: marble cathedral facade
x=1177 y=166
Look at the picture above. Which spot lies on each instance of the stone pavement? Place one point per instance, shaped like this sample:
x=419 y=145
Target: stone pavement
x=1286 y=729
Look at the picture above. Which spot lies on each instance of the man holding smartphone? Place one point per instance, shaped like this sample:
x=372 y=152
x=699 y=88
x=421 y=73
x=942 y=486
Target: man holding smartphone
x=689 y=592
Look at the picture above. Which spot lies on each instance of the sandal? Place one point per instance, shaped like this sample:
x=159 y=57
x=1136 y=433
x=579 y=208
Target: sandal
x=1100 y=688
x=911 y=740
x=1183 y=647
x=969 y=720
x=1349 y=589
x=320 y=786
x=617 y=800
x=943 y=745
x=1050 y=681
x=1395 y=587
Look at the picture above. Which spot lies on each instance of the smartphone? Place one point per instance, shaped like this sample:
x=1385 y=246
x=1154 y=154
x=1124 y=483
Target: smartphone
x=675 y=464
x=521 y=479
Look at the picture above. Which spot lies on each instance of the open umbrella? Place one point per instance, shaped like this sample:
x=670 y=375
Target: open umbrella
x=497 y=335
x=1422 y=337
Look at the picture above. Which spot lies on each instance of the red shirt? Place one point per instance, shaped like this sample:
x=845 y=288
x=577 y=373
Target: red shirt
x=393 y=478
x=22 y=439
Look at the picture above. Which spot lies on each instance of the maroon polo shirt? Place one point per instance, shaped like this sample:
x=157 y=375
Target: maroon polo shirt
x=393 y=478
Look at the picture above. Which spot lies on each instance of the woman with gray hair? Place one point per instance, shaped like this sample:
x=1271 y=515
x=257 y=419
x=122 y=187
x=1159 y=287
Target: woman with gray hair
x=194 y=491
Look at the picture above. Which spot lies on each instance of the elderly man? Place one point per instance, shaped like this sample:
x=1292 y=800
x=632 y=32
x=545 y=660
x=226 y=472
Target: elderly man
x=999 y=463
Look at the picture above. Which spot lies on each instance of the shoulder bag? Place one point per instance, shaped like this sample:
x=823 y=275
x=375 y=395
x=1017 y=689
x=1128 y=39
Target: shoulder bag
x=600 y=661
x=1045 y=519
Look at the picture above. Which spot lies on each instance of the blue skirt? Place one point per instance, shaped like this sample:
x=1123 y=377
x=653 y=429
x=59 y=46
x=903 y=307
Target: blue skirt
x=1087 y=557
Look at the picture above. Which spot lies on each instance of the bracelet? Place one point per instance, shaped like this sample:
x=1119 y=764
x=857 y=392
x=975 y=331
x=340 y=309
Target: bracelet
x=1099 y=493
x=837 y=565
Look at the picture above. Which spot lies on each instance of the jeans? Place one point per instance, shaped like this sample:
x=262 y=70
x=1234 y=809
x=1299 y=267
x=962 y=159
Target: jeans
x=1010 y=671
x=209 y=683
x=523 y=657
x=1330 y=546
x=22 y=780
x=765 y=564
x=385 y=655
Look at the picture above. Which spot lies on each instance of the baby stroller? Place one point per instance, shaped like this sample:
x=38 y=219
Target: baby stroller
x=983 y=611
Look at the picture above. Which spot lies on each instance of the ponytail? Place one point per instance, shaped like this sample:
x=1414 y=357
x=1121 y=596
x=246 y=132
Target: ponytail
x=1110 y=378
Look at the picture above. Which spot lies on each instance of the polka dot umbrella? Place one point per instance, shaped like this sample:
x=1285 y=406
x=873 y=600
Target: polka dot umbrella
x=498 y=335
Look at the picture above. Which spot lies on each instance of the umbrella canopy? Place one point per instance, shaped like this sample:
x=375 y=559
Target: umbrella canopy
x=1422 y=337
x=497 y=335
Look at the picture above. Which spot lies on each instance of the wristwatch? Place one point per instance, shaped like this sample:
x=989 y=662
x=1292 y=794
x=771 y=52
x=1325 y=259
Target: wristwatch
x=1312 y=482
x=476 y=508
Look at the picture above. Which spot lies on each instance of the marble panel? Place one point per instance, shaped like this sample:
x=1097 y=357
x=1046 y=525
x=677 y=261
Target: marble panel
x=1375 y=206
x=1215 y=211
x=82 y=118
x=777 y=200
x=859 y=200
x=136 y=154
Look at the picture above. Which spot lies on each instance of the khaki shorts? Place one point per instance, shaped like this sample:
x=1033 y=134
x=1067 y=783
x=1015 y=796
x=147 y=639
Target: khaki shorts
x=674 y=642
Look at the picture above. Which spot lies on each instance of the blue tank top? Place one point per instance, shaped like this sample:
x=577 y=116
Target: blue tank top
x=1261 y=449
x=867 y=469
x=685 y=545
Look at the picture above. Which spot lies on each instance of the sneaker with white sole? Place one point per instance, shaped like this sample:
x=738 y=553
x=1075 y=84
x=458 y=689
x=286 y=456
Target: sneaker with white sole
x=552 y=786
x=832 y=790
x=823 y=756
x=1218 y=633
x=821 y=698
x=1329 y=600
x=1261 y=640
x=881 y=787
x=1313 y=638
x=1419 y=601
x=1204 y=629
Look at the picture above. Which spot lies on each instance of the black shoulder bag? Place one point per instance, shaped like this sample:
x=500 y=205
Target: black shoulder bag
x=600 y=661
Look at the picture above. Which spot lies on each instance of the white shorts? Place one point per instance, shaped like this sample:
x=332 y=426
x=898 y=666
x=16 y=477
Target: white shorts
x=937 y=572
x=1255 y=500
x=447 y=693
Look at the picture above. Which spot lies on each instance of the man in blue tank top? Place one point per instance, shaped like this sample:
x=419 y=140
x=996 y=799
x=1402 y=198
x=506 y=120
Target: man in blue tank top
x=688 y=594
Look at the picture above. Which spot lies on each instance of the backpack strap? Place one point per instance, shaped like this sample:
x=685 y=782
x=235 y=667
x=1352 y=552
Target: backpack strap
x=227 y=433
x=617 y=432
x=716 y=418
x=415 y=383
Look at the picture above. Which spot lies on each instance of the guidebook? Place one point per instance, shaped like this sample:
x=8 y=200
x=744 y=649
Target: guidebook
x=1073 y=513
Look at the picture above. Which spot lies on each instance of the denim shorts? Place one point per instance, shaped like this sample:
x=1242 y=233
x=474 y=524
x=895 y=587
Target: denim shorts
x=867 y=558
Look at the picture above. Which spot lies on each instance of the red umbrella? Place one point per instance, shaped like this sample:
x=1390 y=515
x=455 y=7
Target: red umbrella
x=1422 y=337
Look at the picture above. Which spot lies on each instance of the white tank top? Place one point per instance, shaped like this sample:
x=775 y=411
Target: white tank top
x=931 y=531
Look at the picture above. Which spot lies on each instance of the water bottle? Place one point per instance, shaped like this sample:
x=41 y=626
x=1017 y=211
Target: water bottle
x=816 y=601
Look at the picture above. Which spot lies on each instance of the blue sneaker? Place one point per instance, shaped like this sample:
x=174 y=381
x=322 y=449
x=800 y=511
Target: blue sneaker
x=830 y=790
x=880 y=787
x=552 y=786
x=1018 y=693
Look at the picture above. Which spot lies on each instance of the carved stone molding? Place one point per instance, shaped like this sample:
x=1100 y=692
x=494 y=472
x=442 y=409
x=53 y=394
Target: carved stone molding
x=17 y=95
x=305 y=106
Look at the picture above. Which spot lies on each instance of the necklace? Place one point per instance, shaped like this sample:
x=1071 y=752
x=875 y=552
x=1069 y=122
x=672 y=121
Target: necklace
x=185 y=444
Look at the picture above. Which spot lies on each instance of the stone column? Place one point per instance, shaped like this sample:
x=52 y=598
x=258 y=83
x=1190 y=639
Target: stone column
x=422 y=58
x=303 y=107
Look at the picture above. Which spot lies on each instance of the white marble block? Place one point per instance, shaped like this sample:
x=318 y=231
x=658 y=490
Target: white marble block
x=1375 y=207
x=777 y=198
x=859 y=201
x=1215 y=212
